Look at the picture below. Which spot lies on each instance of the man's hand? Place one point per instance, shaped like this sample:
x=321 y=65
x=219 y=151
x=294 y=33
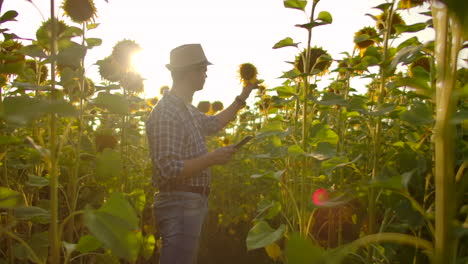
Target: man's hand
x=246 y=90
x=222 y=155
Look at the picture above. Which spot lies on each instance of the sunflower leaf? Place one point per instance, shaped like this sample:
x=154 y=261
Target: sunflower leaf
x=295 y=4
x=325 y=17
x=409 y=28
x=286 y=42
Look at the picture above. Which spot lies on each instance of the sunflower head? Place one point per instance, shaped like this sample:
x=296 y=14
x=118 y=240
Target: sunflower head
x=407 y=4
x=163 y=89
x=423 y=62
x=152 y=101
x=132 y=82
x=371 y=41
x=80 y=11
x=204 y=106
x=248 y=73
x=40 y=71
x=72 y=89
x=44 y=33
x=318 y=62
x=109 y=69
x=382 y=20
x=11 y=57
x=105 y=140
x=217 y=106
x=264 y=104
x=123 y=52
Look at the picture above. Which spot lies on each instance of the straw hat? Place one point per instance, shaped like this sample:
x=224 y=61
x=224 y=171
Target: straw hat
x=187 y=55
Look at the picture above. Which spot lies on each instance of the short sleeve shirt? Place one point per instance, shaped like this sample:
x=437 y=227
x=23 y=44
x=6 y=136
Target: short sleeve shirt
x=176 y=132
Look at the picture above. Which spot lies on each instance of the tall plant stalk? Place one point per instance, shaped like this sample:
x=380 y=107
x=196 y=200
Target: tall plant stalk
x=53 y=230
x=447 y=45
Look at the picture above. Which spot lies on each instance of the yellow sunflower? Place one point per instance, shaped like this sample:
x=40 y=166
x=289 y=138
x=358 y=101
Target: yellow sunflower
x=248 y=73
x=382 y=20
x=423 y=62
x=318 y=61
x=80 y=11
x=371 y=41
x=204 y=106
x=217 y=106
x=407 y=4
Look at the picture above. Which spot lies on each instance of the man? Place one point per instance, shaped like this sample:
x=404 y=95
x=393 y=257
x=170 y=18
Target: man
x=176 y=133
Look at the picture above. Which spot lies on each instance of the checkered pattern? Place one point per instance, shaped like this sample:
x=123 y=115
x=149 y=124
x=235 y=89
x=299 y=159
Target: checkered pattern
x=176 y=132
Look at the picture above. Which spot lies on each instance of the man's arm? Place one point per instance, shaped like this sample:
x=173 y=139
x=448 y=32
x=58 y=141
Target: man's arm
x=196 y=165
x=228 y=114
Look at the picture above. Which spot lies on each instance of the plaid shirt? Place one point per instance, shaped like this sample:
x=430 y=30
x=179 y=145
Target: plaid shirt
x=176 y=132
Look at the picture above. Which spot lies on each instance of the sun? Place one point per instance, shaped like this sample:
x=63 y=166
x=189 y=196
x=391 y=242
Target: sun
x=140 y=62
x=150 y=65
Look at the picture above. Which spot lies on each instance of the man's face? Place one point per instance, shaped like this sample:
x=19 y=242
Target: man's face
x=198 y=76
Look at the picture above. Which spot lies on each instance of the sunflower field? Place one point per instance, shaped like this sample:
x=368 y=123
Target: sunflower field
x=334 y=174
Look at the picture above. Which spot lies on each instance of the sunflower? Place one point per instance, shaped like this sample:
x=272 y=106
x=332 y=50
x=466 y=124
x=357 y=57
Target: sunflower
x=163 y=89
x=105 y=140
x=123 y=52
x=152 y=101
x=370 y=41
x=11 y=58
x=217 y=106
x=109 y=69
x=407 y=4
x=382 y=20
x=72 y=88
x=204 y=106
x=264 y=104
x=80 y=11
x=423 y=62
x=132 y=82
x=44 y=33
x=317 y=61
x=248 y=73
x=40 y=71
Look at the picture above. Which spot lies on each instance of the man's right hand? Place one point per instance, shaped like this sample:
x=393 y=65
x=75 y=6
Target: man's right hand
x=222 y=155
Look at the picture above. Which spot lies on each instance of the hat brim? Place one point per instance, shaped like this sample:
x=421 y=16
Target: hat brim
x=187 y=67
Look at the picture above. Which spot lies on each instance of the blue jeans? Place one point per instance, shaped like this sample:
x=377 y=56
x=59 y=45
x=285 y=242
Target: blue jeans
x=179 y=217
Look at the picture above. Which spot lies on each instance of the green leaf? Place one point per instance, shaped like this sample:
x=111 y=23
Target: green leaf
x=285 y=91
x=381 y=110
x=9 y=198
x=300 y=250
x=36 y=181
x=361 y=38
x=115 y=103
x=8 y=16
x=262 y=235
x=33 y=51
x=414 y=41
x=295 y=150
x=108 y=165
x=325 y=17
x=400 y=28
x=92 y=26
x=286 y=42
x=71 y=55
x=115 y=225
x=295 y=4
x=7 y=140
x=268 y=209
x=60 y=107
x=331 y=99
x=419 y=114
x=93 y=42
x=323 y=151
x=33 y=213
x=406 y=55
x=38 y=242
x=88 y=243
x=292 y=74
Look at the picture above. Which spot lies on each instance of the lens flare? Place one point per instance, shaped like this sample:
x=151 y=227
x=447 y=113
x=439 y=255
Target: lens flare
x=320 y=196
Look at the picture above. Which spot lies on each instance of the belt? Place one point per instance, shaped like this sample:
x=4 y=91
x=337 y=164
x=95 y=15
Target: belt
x=204 y=190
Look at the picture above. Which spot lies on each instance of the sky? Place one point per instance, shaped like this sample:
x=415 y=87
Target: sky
x=231 y=33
